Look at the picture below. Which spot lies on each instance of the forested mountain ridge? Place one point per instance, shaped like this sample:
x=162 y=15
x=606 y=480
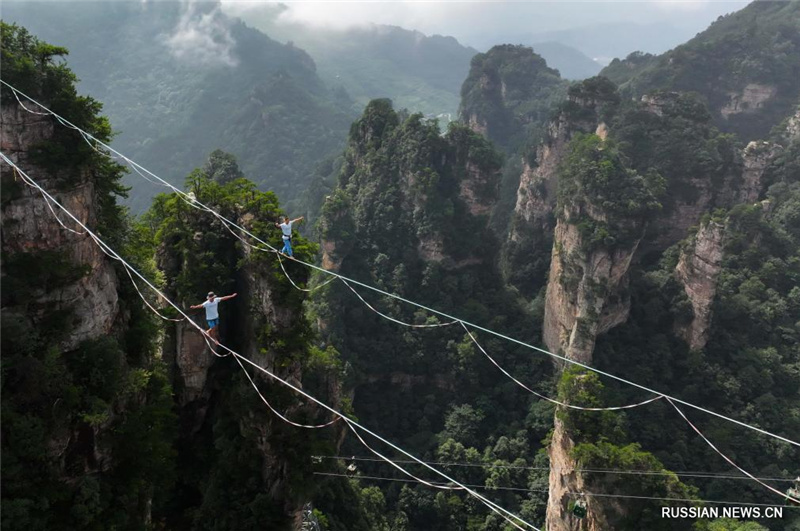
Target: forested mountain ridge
x=185 y=79
x=509 y=94
x=113 y=418
x=410 y=215
x=661 y=250
x=422 y=73
x=603 y=269
x=419 y=72
x=745 y=66
x=570 y=63
x=239 y=466
x=88 y=425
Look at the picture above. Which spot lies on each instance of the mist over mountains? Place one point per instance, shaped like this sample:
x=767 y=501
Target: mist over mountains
x=627 y=246
x=179 y=80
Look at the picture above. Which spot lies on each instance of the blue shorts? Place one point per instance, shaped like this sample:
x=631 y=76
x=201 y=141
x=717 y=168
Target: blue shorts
x=212 y=323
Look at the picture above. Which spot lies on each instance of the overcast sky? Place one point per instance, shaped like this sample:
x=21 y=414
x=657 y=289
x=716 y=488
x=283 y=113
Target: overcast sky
x=479 y=23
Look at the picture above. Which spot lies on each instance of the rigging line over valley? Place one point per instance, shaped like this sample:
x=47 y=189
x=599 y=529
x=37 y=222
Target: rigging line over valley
x=431 y=310
x=504 y=513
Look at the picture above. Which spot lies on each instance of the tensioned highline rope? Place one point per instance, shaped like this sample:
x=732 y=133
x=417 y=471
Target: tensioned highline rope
x=544 y=397
x=592 y=494
x=275 y=411
x=413 y=303
x=392 y=319
x=503 y=513
x=689 y=474
x=401 y=469
x=129 y=268
x=50 y=207
x=286 y=273
x=729 y=460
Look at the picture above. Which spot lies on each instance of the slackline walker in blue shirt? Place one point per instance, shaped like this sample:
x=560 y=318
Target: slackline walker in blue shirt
x=212 y=313
x=286 y=228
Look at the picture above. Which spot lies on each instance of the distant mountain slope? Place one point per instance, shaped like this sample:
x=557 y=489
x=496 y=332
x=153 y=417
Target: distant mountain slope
x=606 y=41
x=746 y=65
x=181 y=80
x=571 y=63
x=419 y=72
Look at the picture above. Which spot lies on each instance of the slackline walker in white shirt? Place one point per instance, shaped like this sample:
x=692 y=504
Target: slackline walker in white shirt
x=286 y=228
x=212 y=313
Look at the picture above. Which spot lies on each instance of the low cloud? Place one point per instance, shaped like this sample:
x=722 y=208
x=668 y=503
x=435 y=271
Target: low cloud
x=203 y=38
x=482 y=23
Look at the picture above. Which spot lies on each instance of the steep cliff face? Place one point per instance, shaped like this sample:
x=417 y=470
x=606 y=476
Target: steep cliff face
x=265 y=324
x=82 y=288
x=745 y=65
x=793 y=126
x=29 y=228
x=565 y=487
x=86 y=430
x=586 y=294
x=671 y=133
x=603 y=210
x=756 y=158
x=701 y=260
x=417 y=186
x=697 y=270
x=752 y=98
x=531 y=232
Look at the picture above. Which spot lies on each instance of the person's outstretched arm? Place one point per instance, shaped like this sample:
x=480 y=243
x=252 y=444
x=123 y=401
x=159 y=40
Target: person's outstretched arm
x=297 y=219
x=196 y=306
x=226 y=297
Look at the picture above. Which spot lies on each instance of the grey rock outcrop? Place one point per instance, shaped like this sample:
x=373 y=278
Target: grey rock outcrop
x=29 y=226
x=752 y=97
x=698 y=268
x=585 y=294
x=586 y=297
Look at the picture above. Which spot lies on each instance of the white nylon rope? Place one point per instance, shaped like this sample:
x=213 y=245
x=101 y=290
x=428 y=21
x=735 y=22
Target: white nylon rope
x=152 y=308
x=25 y=179
x=275 y=411
x=394 y=464
x=729 y=460
x=543 y=397
x=707 y=475
x=286 y=274
x=431 y=310
x=496 y=508
x=392 y=319
x=592 y=494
